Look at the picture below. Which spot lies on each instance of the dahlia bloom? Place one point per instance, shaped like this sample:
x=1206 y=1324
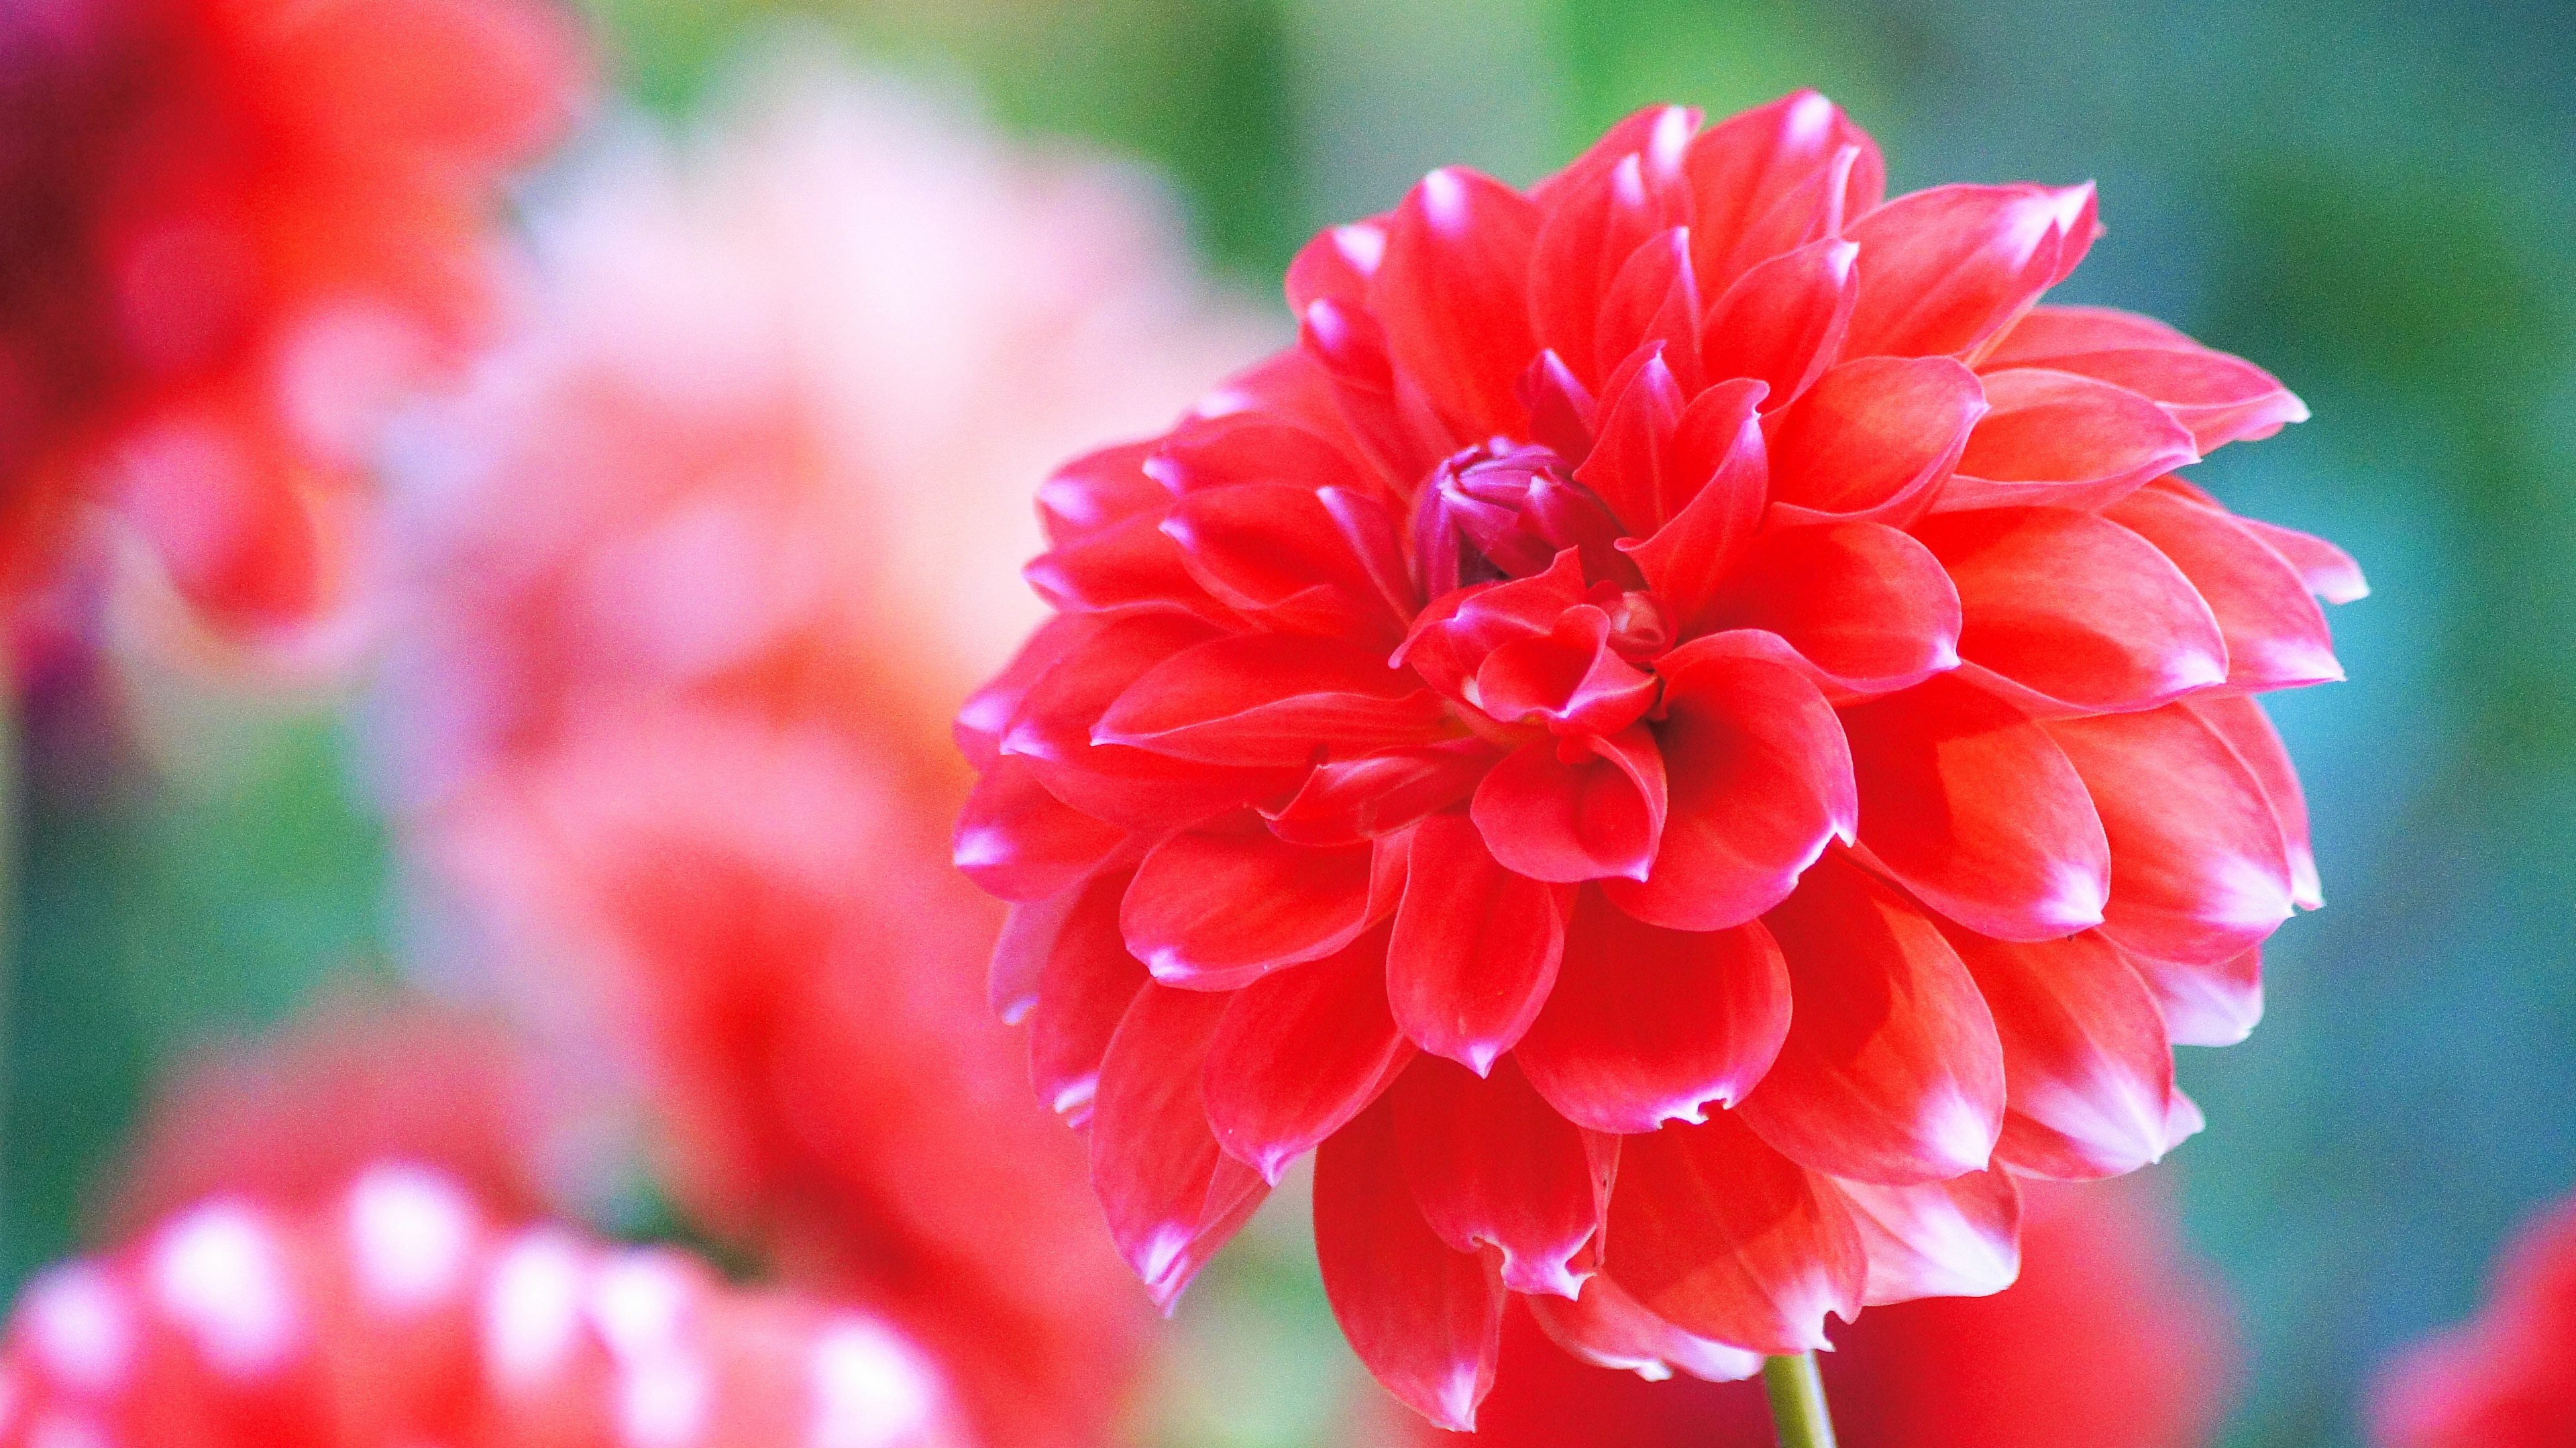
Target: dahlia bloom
x=691 y=580
x=1680 y=686
x=227 y=226
x=398 y=1313
x=2099 y=1266
x=2506 y=1378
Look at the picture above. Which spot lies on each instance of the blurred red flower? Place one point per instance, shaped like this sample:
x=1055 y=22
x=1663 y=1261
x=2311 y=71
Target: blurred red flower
x=1684 y=589
x=227 y=227
x=397 y=1313
x=2506 y=1378
x=696 y=574
x=2110 y=1338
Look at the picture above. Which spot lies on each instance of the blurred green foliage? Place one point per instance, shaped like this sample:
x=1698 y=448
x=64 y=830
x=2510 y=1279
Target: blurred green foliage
x=2372 y=198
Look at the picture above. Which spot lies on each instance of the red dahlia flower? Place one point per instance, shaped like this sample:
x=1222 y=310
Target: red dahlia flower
x=398 y=1314
x=1686 y=636
x=2506 y=1379
x=2020 y=1369
x=222 y=223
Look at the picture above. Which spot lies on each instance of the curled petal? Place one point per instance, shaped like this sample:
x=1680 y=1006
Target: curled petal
x=1891 y=1071
x=1084 y=989
x=1587 y=807
x=1383 y=410
x=1218 y=908
x=1869 y=607
x=2276 y=635
x=1426 y=1320
x=1648 y=1025
x=1269 y=700
x=1955 y=1238
x=2065 y=441
x=1570 y=679
x=1875 y=438
x=1492 y=1165
x=1249 y=449
x=1274 y=552
x=1606 y=1328
x=1657 y=136
x=1782 y=323
x=1345 y=801
x=987 y=713
x=1653 y=303
x=1097 y=491
x=1019 y=954
x=1976 y=810
x=2200 y=872
x=1633 y=465
x=2079 y=613
x=1759 y=779
x=1452 y=293
x=1943 y=270
x=2085 y=1053
x=1724 y=469
x=1300 y=1053
x=1128 y=564
x=1476 y=946
x=1020 y=842
x=2241 y=722
x=1725 y=1238
x=1774 y=178
x=1337 y=263
x=2328 y=571
x=1171 y=1197
x=1593 y=227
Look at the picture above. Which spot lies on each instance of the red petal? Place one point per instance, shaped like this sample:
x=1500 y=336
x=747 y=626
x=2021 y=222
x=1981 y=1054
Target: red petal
x=1659 y=136
x=1492 y=1164
x=1171 y=1197
x=1648 y=1025
x=1476 y=946
x=1385 y=413
x=1759 y=779
x=2328 y=571
x=1300 y=1053
x=1956 y=1238
x=2082 y=614
x=1452 y=293
x=2240 y=721
x=988 y=712
x=1891 y=1071
x=1716 y=1233
x=1720 y=461
x=1945 y=269
x=1774 y=178
x=1592 y=228
x=1084 y=988
x=1782 y=323
x=1274 y=553
x=1269 y=699
x=1216 y=909
x=1875 y=439
x=2090 y=1070
x=2206 y=1005
x=1869 y=607
x=1569 y=679
x=1247 y=449
x=1097 y=491
x=2219 y=398
x=1349 y=800
x=1020 y=842
x=1581 y=808
x=1124 y=565
x=1976 y=810
x=2064 y=441
x=1653 y=303
x=1337 y=263
x=2276 y=635
x=1606 y=1328
x=2199 y=869
x=1426 y=1320
x=1633 y=463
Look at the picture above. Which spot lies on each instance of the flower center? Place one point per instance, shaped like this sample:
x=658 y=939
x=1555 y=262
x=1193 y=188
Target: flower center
x=1504 y=510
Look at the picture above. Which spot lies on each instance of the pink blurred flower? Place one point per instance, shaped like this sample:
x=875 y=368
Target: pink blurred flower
x=399 y=1312
x=227 y=229
x=695 y=574
x=2507 y=1377
x=2112 y=1338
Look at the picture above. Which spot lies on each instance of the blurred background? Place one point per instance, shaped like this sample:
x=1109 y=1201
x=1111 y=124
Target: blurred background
x=2373 y=200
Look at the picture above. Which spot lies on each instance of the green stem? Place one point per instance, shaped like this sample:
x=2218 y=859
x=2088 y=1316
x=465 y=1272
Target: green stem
x=1797 y=1402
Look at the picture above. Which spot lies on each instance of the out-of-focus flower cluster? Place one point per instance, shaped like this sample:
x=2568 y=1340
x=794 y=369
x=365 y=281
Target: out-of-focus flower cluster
x=230 y=232
x=2507 y=1377
x=688 y=583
